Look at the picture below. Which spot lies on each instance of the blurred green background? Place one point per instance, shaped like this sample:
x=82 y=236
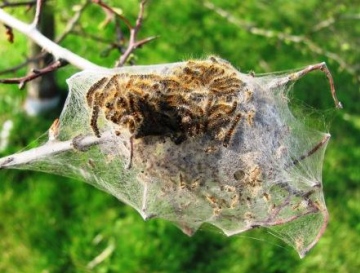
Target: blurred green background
x=55 y=224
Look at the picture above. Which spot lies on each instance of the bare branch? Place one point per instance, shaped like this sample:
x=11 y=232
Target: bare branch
x=90 y=36
x=68 y=29
x=293 y=77
x=16 y=67
x=35 y=74
x=50 y=46
x=282 y=36
x=52 y=147
x=38 y=10
x=112 y=11
x=140 y=17
x=312 y=151
x=144 y=41
x=23 y=64
x=324 y=24
x=322 y=67
x=133 y=44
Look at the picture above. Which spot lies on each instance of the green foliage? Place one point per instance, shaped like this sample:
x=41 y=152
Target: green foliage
x=54 y=224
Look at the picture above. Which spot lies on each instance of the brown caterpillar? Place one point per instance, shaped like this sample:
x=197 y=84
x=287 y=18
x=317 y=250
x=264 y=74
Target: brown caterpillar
x=199 y=97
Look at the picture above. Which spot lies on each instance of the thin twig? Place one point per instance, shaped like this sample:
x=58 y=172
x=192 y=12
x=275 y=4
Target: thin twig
x=50 y=148
x=322 y=229
x=50 y=46
x=39 y=6
x=144 y=41
x=324 y=24
x=313 y=150
x=17 y=4
x=119 y=33
x=293 y=77
x=282 y=36
x=133 y=44
x=16 y=67
x=68 y=29
x=35 y=74
x=23 y=64
x=112 y=11
x=90 y=36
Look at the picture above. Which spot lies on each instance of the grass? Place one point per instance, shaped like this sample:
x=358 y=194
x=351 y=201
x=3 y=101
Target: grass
x=55 y=224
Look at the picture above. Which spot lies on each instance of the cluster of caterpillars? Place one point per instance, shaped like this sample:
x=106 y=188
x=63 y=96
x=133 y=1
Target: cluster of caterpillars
x=197 y=98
